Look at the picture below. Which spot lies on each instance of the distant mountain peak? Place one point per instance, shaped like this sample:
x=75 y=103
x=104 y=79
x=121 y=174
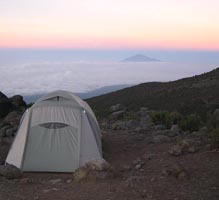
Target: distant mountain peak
x=140 y=58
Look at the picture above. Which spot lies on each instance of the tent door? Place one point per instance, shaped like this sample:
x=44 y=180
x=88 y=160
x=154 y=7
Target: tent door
x=52 y=147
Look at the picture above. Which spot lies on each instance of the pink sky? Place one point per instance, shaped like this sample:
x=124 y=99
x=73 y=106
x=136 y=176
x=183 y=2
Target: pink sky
x=169 y=24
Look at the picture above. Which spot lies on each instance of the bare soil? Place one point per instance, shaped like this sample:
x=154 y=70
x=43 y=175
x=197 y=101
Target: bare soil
x=192 y=176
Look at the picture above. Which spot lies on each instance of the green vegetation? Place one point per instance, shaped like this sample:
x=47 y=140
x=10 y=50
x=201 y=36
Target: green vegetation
x=213 y=127
x=191 y=123
x=187 y=123
x=215 y=137
x=102 y=113
x=130 y=115
x=166 y=118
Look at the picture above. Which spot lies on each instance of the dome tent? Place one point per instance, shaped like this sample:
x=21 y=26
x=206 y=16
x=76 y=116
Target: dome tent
x=59 y=133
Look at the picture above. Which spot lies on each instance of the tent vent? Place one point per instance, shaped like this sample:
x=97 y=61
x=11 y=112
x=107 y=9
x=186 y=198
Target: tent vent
x=53 y=125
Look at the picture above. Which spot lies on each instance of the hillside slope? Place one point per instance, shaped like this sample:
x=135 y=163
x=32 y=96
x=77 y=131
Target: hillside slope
x=195 y=94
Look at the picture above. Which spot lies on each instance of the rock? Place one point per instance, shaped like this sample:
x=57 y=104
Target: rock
x=1 y=124
x=138 y=166
x=146 y=121
x=55 y=181
x=175 y=171
x=186 y=133
x=216 y=117
x=5 y=105
x=203 y=130
x=207 y=147
x=117 y=115
x=11 y=132
x=99 y=175
x=119 y=125
x=4 y=129
x=50 y=190
x=138 y=163
x=150 y=156
x=80 y=174
x=10 y=171
x=18 y=101
x=159 y=127
x=126 y=168
x=26 y=181
x=116 y=107
x=192 y=149
x=13 y=118
x=98 y=165
x=69 y=181
x=182 y=175
x=162 y=132
x=160 y=139
x=185 y=143
x=131 y=124
x=195 y=133
x=176 y=150
x=132 y=180
x=175 y=130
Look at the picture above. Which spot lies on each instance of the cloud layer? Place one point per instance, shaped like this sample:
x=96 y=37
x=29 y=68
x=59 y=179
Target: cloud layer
x=35 y=78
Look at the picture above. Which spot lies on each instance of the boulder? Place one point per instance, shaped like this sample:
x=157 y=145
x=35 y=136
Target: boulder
x=162 y=132
x=55 y=181
x=119 y=125
x=159 y=127
x=143 y=112
x=203 y=130
x=116 y=107
x=176 y=150
x=176 y=171
x=18 y=101
x=13 y=118
x=160 y=139
x=117 y=115
x=5 y=105
x=10 y=132
x=80 y=174
x=174 y=130
x=98 y=165
x=4 y=129
x=150 y=156
x=132 y=124
x=10 y=171
x=96 y=169
x=186 y=143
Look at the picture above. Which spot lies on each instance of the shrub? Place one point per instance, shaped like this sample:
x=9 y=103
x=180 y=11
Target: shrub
x=102 y=113
x=159 y=117
x=215 y=138
x=190 y=123
x=175 y=117
x=130 y=115
x=166 y=118
x=209 y=121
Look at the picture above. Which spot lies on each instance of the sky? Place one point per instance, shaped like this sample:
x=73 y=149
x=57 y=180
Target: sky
x=110 y=24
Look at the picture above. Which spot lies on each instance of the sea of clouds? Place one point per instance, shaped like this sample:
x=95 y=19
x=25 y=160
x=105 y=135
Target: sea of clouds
x=43 y=77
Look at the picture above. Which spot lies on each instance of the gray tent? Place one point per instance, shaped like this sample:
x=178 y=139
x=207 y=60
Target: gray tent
x=59 y=133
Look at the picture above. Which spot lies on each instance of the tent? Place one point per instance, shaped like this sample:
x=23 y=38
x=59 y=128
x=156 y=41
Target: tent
x=59 y=133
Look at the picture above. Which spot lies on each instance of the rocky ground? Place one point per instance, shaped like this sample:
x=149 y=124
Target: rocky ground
x=146 y=161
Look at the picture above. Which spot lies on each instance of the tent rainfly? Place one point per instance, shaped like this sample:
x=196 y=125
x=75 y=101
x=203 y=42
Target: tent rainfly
x=59 y=133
